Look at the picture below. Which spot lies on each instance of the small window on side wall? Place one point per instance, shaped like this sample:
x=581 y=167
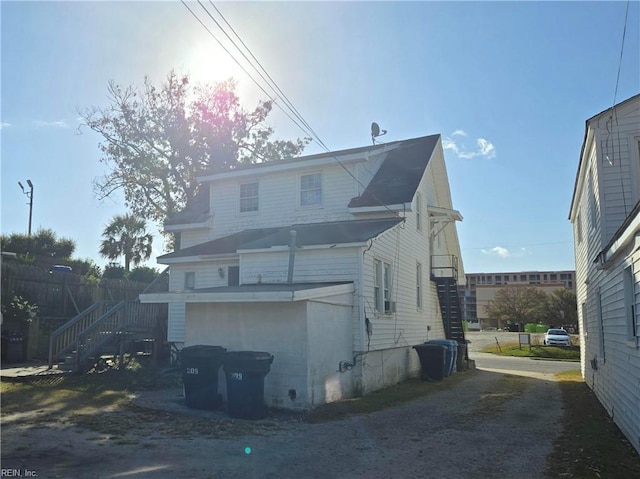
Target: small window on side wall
x=249 y=197
x=311 y=190
x=190 y=280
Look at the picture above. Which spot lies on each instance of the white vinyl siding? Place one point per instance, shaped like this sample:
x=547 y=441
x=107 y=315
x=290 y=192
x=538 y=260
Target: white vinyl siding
x=609 y=293
x=279 y=202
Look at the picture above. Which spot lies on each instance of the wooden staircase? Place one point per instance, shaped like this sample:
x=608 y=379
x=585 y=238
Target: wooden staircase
x=444 y=273
x=105 y=327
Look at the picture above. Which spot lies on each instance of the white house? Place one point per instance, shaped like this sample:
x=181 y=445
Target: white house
x=324 y=261
x=605 y=213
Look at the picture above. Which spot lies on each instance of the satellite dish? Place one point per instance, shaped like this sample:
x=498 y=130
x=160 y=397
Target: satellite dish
x=376 y=131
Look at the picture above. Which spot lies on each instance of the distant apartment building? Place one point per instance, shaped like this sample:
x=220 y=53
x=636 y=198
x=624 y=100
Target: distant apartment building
x=481 y=288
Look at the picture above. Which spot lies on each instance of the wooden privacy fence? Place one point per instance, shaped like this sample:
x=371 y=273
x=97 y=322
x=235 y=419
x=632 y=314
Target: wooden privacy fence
x=59 y=294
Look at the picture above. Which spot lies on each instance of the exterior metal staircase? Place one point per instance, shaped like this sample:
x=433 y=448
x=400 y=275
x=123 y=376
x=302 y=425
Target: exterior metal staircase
x=444 y=273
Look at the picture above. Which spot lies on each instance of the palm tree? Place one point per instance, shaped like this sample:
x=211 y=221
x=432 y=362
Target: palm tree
x=126 y=236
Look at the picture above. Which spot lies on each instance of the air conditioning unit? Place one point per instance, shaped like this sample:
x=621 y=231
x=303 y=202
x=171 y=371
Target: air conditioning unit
x=389 y=306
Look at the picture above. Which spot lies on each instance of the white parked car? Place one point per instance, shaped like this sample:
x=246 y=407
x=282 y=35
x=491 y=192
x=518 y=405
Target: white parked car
x=557 y=337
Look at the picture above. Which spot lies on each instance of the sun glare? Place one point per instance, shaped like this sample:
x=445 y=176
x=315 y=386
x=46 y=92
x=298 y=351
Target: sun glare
x=209 y=64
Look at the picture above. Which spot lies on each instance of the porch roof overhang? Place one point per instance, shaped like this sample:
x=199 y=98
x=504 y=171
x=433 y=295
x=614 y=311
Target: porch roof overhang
x=252 y=293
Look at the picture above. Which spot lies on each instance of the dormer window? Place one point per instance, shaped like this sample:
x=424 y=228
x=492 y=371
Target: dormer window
x=311 y=189
x=248 y=197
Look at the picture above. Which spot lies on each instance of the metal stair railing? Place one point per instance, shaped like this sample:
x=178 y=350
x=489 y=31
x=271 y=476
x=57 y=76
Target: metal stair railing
x=63 y=339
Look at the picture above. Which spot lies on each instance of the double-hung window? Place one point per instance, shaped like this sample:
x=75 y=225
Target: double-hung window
x=311 y=189
x=419 y=286
x=377 y=281
x=248 y=197
x=190 y=280
x=630 y=305
x=382 y=287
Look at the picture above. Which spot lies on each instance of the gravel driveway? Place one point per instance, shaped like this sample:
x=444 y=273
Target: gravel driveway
x=486 y=425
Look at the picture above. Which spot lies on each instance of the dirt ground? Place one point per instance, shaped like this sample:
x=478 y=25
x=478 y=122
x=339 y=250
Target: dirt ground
x=484 y=425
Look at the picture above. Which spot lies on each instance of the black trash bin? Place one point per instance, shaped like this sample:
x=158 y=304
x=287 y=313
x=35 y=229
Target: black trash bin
x=245 y=372
x=200 y=366
x=13 y=347
x=432 y=361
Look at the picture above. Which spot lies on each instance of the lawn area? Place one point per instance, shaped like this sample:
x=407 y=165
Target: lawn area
x=591 y=445
x=535 y=351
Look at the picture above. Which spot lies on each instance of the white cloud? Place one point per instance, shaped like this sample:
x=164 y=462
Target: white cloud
x=498 y=251
x=4 y=125
x=484 y=148
x=54 y=124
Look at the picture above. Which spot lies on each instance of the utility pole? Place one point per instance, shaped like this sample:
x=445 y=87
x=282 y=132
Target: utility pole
x=30 y=196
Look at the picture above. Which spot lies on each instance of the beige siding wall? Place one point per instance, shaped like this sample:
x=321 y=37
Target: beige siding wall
x=206 y=276
x=279 y=200
x=616 y=378
x=310 y=265
x=610 y=357
x=618 y=175
x=307 y=340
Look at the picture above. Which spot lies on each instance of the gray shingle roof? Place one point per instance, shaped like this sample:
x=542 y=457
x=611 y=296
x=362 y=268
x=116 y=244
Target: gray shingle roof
x=398 y=177
x=337 y=232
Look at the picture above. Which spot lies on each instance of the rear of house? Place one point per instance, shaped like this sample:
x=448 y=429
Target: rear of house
x=324 y=261
x=605 y=213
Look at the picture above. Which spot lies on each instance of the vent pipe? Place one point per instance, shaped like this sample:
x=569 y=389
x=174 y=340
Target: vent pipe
x=292 y=254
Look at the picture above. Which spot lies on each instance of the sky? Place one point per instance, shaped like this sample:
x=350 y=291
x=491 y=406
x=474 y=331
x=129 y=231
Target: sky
x=508 y=85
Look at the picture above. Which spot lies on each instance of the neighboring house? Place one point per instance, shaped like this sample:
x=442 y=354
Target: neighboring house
x=605 y=212
x=333 y=263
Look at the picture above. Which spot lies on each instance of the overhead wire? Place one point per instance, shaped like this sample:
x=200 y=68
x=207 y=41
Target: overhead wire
x=240 y=65
x=287 y=103
x=613 y=116
x=274 y=85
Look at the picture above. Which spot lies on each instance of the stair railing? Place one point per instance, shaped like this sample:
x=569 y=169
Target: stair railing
x=444 y=266
x=63 y=339
x=100 y=332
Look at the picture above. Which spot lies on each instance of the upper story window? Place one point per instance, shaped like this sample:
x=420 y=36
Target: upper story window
x=592 y=202
x=190 y=280
x=311 y=189
x=579 y=227
x=419 y=286
x=419 y=211
x=249 y=197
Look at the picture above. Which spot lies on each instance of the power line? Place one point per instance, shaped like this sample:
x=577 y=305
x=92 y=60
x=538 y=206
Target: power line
x=240 y=65
x=273 y=85
x=314 y=136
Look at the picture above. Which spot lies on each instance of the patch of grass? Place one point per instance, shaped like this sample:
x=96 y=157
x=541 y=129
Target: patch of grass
x=573 y=375
x=385 y=398
x=546 y=352
x=591 y=445
x=508 y=387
